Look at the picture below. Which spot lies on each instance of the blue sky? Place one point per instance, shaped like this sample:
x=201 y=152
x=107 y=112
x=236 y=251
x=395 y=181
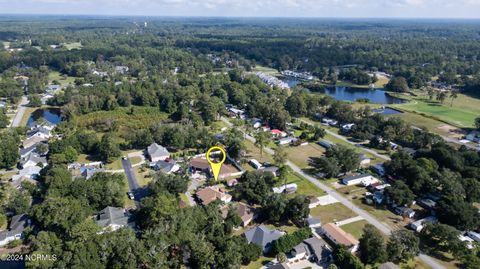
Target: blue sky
x=257 y=8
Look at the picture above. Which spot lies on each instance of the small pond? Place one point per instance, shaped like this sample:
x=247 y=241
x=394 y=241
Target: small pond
x=52 y=115
x=377 y=96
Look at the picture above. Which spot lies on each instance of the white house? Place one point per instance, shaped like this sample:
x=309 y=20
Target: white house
x=289 y=188
x=467 y=239
x=348 y=127
x=33 y=159
x=157 y=153
x=287 y=140
x=419 y=224
x=255 y=164
x=364 y=160
x=165 y=167
x=15 y=231
x=364 y=179
x=475 y=236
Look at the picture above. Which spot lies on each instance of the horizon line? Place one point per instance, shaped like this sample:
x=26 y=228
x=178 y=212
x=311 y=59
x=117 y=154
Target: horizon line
x=237 y=17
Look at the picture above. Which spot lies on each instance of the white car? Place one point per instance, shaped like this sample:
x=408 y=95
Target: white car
x=130 y=195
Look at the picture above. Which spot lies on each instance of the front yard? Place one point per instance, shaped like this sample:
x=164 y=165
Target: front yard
x=332 y=213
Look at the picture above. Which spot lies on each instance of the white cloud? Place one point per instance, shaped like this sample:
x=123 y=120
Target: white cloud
x=292 y=8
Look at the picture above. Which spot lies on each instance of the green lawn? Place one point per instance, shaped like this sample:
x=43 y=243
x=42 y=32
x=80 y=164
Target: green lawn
x=73 y=45
x=258 y=263
x=284 y=228
x=254 y=153
x=301 y=155
x=115 y=165
x=332 y=213
x=462 y=113
x=305 y=187
x=266 y=70
x=415 y=263
x=143 y=176
x=355 y=228
x=184 y=199
x=64 y=81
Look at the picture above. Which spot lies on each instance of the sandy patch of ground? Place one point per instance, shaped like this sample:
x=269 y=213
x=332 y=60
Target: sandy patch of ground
x=452 y=131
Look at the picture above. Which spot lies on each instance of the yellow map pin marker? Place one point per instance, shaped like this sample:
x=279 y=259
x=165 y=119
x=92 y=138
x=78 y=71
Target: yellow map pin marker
x=216 y=166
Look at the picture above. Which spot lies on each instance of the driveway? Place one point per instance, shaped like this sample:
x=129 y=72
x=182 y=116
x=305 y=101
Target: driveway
x=17 y=119
x=194 y=184
x=348 y=221
x=133 y=185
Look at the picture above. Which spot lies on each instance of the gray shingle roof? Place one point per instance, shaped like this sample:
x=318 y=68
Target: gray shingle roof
x=155 y=150
x=262 y=236
x=112 y=216
x=313 y=221
x=34 y=158
x=356 y=177
x=164 y=166
x=317 y=246
x=17 y=225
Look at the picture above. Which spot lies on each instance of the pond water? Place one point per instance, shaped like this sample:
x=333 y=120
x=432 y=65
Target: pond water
x=52 y=115
x=292 y=82
x=377 y=96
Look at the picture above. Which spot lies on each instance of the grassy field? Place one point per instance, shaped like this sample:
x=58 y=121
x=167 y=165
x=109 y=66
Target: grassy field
x=461 y=113
x=332 y=213
x=355 y=228
x=415 y=263
x=305 y=187
x=64 y=81
x=258 y=263
x=7 y=175
x=254 y=153
x=381 y=82
x=143 y=176
x=301 y=155
x=337 y=141
x=284 y=228
x=266 y=70
x=73 y=45
x=115 y=165
x=142 y=117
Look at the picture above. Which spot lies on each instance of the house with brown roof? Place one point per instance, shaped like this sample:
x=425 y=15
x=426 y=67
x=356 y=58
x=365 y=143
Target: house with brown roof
x=32 y=141
x=201 y=165
x=244 y=211
x=339 y=236
x=210 y=194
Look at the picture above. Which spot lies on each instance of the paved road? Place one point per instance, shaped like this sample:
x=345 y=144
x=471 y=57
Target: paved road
x=17 y=119
x=362 y=213
x=133 y=185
